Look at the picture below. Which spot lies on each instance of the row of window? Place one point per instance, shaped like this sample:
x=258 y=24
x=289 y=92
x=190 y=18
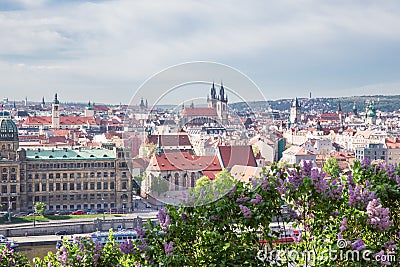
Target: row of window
x=91 y=206
x=70 y=165
x=6 y=170
x=42 y=187
x=50 y=198
x=74 y=175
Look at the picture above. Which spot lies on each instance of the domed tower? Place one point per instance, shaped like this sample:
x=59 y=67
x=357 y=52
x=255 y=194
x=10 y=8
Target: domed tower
x=9 y=142
x=370 y=114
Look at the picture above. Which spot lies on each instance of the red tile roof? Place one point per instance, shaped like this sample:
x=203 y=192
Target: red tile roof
x=198 y=112
x=177 y=161
x=236 y=155
x=64 y=120
x=392 y=143
x=169 y=139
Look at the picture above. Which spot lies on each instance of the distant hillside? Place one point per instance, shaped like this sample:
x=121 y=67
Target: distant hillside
x=382 y=103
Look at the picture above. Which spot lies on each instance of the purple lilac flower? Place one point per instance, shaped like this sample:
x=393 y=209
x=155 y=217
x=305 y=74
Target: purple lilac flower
x=378 y=216
x=232 y=191
x=265 y=185
x=307 y=167
x=390 y=245
x=50 y=264
x=169 y=248
x=358 y=245
x=143 y=246
x=213 y=217
x=140 y=231
x=295 y=177
x=78 y=257
x=183 y=216
x=335 y=213
x=163 y=217
x=257 y=200
x=246 y=211
x=242 y=199
x=254 y=182
x=359 y=196
x=343 y=226
x=126 y=247
x=366 y=163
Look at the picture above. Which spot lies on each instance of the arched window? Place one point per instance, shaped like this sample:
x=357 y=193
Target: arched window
x=193 y=179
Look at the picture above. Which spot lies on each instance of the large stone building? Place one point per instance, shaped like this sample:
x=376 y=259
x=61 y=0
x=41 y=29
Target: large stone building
x=64 y=179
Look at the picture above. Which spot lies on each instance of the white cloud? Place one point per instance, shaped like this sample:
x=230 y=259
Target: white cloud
x=124 y=42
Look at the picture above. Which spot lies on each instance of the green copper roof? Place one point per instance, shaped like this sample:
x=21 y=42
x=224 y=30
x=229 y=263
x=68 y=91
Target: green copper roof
x=62 y=154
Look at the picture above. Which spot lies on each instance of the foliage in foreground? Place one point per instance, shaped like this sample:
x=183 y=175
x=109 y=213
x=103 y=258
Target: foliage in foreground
x=351 y=220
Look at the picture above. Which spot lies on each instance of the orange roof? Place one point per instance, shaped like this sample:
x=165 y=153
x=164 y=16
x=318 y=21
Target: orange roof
x=199 y=112
x=183 y=161
x=64 y=120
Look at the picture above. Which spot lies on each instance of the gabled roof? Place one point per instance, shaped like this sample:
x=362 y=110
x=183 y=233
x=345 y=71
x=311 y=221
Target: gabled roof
x=181 y=139
x=297 y=151
x=236 y=155
x=198 y=112
x=64 y=120
x=183 y=161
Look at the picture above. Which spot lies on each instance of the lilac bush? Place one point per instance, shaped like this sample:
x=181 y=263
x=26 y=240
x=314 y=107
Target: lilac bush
x=357 y=212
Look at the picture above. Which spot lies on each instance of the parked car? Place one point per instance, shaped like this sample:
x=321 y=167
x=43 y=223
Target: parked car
x=61 y=232
x=78 y=212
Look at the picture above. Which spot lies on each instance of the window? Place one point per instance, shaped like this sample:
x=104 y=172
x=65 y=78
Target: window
x=58 y=186
x=37 y=186
x=71 y=197
x=78 y=186
x=72 y=175
x=123 y=185
x=51 y=175
x=85 y=197
x=85 y=186
x=91 y=174
x=78 y=175
x=65 y=186
x=44 y=187
x=112 y=185
x=4 y=189
x=78 y=197
x=91 y=196
x=58 y=175
x=98 y=174
x=29 y=187
x=13 y=189
x=98 y=196
x=98 y=185
x=22 y=188
x=44 y=176
x=51 y=187
x=44 y=198
x=36 y=175
x=105 y=185
x=85 y=175
x=65 y=175
x=91 y=186
x=112 y=174
x=71 y=186
x=123 y=174
x=105 y=174
x=65 y=197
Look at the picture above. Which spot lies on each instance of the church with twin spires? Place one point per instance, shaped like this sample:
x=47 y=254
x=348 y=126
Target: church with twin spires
x=216 y=112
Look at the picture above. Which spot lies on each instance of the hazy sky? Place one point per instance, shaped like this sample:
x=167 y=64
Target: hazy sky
x=104 y=50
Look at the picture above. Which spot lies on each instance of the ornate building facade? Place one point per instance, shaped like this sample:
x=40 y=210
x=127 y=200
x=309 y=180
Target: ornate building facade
x=63 y=179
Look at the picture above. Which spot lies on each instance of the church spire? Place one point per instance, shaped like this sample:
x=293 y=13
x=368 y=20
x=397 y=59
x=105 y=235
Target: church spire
x=159 y=148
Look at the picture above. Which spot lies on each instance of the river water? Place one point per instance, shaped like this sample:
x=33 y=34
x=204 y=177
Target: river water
x=36 y=251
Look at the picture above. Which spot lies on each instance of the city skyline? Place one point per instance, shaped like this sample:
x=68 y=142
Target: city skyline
x=93 y=49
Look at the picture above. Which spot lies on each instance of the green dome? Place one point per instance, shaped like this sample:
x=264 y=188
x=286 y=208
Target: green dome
x=8 y=130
